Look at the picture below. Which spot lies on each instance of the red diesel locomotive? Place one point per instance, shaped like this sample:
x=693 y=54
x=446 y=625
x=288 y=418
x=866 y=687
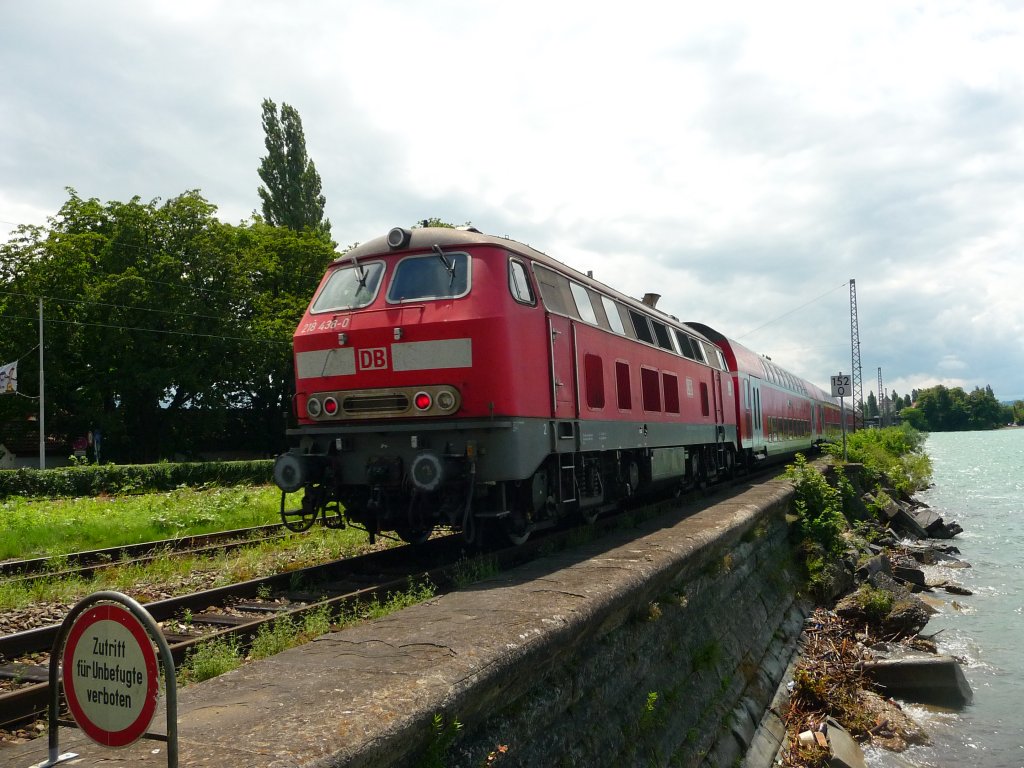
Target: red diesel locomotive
x=446 y=377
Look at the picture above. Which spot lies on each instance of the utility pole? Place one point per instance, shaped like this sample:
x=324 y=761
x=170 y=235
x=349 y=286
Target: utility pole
x=42 y=408
x=858 y=385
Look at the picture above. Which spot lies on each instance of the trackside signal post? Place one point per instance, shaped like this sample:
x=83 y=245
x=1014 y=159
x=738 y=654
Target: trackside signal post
x=110 y=676
x=840 y=389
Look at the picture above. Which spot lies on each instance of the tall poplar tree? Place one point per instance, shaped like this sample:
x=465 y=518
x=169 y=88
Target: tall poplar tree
x=292 y=196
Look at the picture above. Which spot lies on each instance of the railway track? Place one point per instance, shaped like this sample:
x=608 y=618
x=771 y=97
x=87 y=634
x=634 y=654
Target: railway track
x=82 y=564
x=235 y=611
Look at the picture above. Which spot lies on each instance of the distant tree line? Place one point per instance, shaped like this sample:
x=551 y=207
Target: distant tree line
x=940 y=409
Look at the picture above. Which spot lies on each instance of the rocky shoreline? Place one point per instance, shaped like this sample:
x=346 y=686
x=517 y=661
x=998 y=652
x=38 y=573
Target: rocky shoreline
x=863 y=647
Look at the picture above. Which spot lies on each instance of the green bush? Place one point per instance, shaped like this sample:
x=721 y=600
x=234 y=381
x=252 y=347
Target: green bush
x=895 y=454
x=117 y=479
x=876 y=603
x=818 y=505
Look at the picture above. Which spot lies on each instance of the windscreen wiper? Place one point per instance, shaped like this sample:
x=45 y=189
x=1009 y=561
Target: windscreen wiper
x=361 y=272
x=449 y=265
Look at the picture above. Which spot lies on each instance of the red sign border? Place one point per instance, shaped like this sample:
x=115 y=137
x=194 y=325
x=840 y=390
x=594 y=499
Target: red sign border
x=124 y=617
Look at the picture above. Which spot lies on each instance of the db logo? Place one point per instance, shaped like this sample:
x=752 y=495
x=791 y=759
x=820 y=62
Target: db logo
x=373 y=359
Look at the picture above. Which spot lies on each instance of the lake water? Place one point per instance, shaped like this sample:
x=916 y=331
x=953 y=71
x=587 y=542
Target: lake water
x=979 y=483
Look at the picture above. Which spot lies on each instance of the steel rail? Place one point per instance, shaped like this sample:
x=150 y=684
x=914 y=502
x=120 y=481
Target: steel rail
x=13 y=568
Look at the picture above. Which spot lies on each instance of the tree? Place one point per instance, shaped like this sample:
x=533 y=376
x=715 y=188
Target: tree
x=291 y=197
x=915 y=418
x=1017 y=412
x=434 y=221
x=939 y=409
x=165 y=328
x=871 y=410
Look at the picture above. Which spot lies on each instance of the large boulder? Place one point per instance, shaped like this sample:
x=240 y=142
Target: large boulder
x=924 y=679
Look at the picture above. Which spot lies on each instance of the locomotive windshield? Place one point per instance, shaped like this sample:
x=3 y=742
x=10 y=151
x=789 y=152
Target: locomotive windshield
x=350 y=287
x=428 y=277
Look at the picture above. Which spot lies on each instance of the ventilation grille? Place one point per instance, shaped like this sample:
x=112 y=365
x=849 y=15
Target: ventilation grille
x=361 y=405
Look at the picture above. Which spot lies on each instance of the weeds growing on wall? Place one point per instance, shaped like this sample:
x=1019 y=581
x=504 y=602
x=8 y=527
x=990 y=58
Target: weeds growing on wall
x=818 y=506
x=442 y=736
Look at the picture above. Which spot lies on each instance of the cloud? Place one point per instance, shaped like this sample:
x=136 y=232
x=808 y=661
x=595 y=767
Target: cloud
x=744 y=160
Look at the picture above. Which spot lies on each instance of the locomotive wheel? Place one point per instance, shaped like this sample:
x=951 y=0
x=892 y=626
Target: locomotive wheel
x=700 y=475
x=589 y=515
x=538 y=498
x=730 y=464
x=414 y=535
x=516 y=528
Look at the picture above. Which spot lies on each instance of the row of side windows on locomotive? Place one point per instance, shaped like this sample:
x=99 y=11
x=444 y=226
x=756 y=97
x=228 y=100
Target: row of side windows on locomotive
x=659 y=390
x=567 y=297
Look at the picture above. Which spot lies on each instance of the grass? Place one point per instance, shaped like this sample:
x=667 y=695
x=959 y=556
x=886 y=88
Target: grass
x=46 y=527
x=215 y=657
x=417 y=592
x=182 y=574
x=471 y=571
x=209 y=660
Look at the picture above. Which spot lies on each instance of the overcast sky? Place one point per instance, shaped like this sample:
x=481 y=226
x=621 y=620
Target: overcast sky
x=743 y=159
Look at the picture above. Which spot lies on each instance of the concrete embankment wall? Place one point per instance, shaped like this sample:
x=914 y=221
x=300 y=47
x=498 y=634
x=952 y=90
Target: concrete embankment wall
x=683 y=665
x=659 y=644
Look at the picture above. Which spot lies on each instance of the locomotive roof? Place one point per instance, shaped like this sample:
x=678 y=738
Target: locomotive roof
x=424 y=238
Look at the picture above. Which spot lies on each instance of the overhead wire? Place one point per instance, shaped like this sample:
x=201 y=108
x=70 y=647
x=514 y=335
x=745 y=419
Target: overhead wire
x=149 y=330
x=790 y=312
x=61 y=300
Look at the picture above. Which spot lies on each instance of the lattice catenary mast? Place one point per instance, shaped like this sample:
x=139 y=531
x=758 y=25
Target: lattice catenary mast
x=881 y=400
x=858 y=384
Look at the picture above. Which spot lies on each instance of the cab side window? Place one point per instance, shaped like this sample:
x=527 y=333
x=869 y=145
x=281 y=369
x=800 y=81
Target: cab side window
x=519 y=283
x=584 y=307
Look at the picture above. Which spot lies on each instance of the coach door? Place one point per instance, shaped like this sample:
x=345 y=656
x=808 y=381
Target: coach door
x=563 y=367
x=746 y=411
x=718 y=404
x=756 y=433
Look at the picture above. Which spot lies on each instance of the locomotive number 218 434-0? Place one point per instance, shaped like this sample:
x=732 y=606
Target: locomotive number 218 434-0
x=324 y=325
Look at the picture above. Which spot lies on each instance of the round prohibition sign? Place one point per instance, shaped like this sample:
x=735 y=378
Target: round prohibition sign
x=110 y=675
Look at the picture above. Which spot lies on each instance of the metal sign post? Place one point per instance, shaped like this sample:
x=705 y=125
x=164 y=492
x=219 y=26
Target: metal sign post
x=105 y=657
x=840 y=389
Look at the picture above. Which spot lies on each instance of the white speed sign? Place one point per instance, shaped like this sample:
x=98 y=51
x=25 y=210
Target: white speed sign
x=840 y=386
